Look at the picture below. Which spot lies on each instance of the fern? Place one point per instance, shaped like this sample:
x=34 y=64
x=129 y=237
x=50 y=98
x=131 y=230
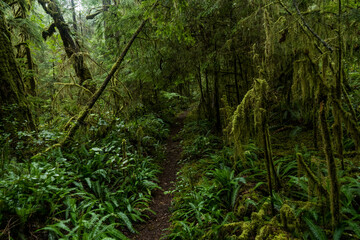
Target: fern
x=127 y=221
x=338 y=233
x=316 y=232
x=355 y=227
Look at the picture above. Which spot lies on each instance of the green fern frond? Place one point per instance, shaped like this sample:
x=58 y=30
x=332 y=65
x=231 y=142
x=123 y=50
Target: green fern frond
x=316 y=232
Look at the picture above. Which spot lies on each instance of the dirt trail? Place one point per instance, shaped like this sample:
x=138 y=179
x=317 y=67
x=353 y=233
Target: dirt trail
x=155 y=227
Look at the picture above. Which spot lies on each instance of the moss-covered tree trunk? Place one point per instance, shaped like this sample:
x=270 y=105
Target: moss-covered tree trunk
x=338 y=131
x=236 y=81
x=216 y=94
x=25 y=53
x=331 y=163
x=71 y=47
x=23 y=49
x=14 y=107
x=208 y=97
x=74 y=16
x=107 y=34
x=268 y=159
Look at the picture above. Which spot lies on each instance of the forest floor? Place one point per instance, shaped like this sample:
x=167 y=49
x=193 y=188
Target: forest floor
x=156 y=226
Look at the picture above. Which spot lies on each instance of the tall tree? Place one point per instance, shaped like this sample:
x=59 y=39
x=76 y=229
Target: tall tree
x=71 y=46
x=74 y=16
x=13 y=101
x=21 y=11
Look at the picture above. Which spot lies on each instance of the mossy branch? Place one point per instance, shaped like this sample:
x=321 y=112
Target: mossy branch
x=73 y=85
x=98 y=93
x=310 y=175
x=83 y=114
x=326 y=45
x=49 y=31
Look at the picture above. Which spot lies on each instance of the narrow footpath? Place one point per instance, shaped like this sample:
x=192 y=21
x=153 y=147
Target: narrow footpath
x=156 y=226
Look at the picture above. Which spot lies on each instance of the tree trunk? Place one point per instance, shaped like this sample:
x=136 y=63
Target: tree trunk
x=98 y=93
x=216 y=93
x=14 y=105
x=107 y=35
x=74 y=16
x=72 y=48
x=216 y=102
x=236 y=79
x=23 y=50
x=338 y=87
x=331 y=164
x=202 y=98
x=209 y=110
x=268 y=164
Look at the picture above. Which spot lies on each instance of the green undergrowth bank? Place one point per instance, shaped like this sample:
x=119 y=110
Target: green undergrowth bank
x=218 y=197
x=91 y=191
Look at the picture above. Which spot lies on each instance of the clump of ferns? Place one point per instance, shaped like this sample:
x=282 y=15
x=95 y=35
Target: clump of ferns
x=314 y=196
x=198 y=141
x=89 y=192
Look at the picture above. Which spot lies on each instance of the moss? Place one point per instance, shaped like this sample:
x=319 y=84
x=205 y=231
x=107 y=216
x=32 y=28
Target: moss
x=140 y=135
x=233 y=226
x=240 y=211
x=288 y=218
x=247 y=198
x=12 y=90
x=246 y=231
x=123 y=148
x=264 y=232
x=260 y=229
x=313 y=180
x=281 y=236
x=350 y=123
x=331 y=164
x=250 y=228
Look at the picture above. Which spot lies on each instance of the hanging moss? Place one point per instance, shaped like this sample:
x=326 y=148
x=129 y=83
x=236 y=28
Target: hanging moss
x=247 y=117
x=254 y=104
x=241 y=122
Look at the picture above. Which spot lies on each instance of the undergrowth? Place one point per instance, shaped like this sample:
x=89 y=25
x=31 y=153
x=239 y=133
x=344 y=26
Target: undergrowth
x=91 y=191
x=220 y=197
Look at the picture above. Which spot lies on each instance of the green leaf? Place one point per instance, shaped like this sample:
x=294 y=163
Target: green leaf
x=127 y=221
x=258 y=185
x=117 y=234
x=316 y=232
x=338 y=233
x=355 y=227
x=88 y=181
x=57 y=227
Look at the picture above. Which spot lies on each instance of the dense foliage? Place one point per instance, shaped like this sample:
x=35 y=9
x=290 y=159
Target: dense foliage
x=270 y=147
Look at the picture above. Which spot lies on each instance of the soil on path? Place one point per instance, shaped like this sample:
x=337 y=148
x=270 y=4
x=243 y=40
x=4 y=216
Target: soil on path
x=156 y=226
